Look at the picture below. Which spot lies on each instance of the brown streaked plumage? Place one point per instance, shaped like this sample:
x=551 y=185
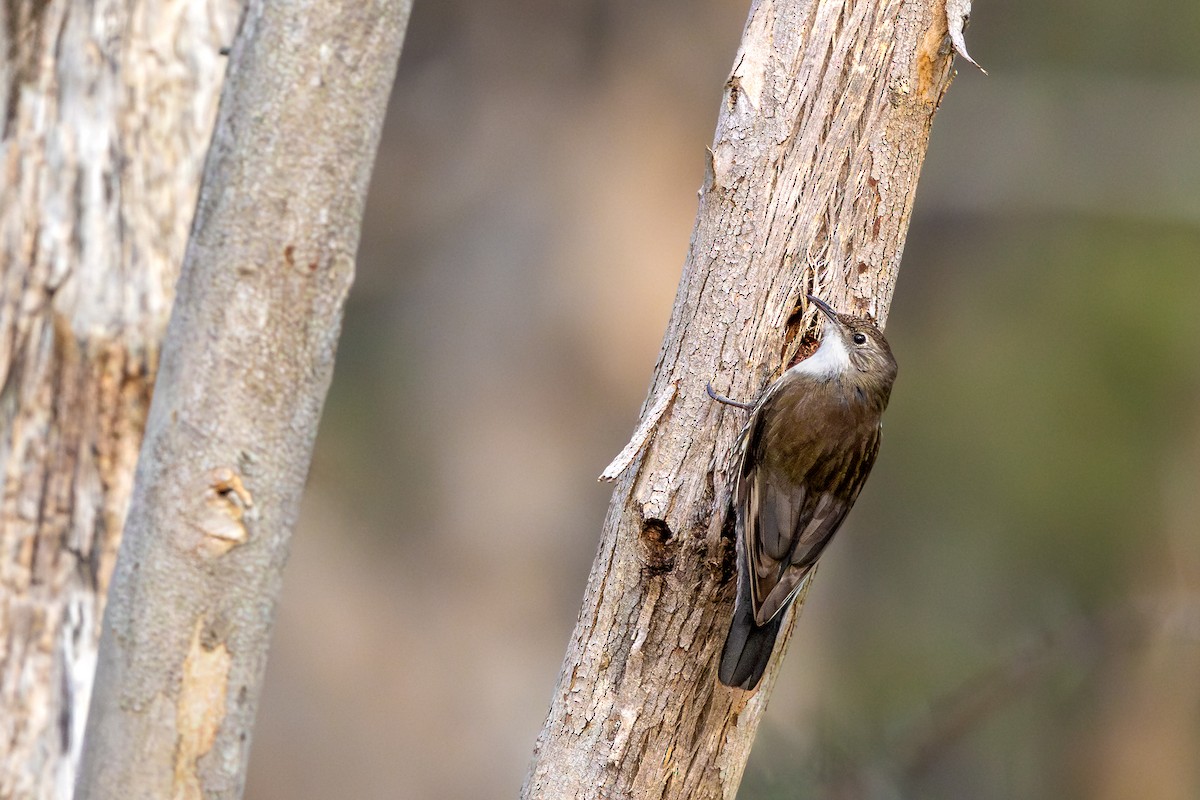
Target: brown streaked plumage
x=802 y=460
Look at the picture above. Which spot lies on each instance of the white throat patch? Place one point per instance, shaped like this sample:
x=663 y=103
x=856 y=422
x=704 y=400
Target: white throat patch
x=831 y=358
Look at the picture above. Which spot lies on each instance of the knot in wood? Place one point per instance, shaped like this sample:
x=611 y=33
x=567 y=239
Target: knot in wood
x=222 y=518
x=660 y=546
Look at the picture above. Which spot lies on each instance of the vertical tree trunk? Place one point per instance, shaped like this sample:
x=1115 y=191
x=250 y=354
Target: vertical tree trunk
x=107 y=113
x=246 y=363
x=819 y=143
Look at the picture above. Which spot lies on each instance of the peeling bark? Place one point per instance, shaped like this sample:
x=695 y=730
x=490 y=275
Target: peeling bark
x=246 y=363
x=108 y=109
x=820 y=139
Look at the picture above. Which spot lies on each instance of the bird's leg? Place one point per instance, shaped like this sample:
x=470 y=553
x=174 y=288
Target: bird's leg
x=720 y=398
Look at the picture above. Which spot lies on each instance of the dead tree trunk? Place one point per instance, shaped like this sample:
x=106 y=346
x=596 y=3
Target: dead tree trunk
x=820 y=139
x=108 y=110
x=246 y=363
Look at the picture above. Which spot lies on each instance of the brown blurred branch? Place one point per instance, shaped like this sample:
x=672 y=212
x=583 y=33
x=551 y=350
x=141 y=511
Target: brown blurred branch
x=246 y=363
x=821 y=134
x=964 y=710
x=1087 y=641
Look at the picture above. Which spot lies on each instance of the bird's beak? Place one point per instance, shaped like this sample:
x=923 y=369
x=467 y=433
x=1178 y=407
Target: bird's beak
x=826 y=309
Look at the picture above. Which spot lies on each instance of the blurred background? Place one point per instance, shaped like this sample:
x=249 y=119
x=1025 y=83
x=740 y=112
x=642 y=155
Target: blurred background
x=1011 y=611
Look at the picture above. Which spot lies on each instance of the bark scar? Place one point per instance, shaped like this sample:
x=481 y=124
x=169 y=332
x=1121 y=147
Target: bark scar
x=929 y=61
x=200 y=710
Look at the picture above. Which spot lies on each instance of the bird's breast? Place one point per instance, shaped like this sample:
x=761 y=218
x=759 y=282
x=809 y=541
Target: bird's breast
x=809 y=422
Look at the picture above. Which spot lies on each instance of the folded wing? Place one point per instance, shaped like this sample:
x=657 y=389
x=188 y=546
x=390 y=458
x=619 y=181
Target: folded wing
x=791 y=504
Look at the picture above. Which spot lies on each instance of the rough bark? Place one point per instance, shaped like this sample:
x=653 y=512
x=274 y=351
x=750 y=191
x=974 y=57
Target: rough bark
x=246 y=362
x=108 y=109
x=820 y=139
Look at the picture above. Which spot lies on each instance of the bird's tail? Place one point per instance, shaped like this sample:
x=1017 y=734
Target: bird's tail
x=748 y=646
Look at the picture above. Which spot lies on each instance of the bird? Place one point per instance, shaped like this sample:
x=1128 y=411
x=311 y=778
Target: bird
x=800 y=463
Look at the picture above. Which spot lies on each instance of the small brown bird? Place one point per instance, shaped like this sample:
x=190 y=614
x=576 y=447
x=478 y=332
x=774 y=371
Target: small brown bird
x=802 y=460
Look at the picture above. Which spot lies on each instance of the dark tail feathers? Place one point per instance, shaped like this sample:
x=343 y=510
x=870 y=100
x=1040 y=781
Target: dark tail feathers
x=748 y=647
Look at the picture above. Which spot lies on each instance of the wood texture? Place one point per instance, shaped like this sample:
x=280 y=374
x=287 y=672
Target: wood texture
x=820 y=139
x=246 y=362
x=108 y=109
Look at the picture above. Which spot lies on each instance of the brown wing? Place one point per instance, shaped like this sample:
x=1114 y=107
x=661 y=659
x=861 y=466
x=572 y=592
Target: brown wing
x=790 y=501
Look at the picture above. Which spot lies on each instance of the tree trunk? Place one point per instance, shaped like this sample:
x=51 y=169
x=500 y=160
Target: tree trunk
x=246 y=363
x=813 y=170
x=108 y=110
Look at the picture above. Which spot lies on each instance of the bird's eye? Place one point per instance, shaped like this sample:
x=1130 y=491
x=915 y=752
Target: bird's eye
x=860 y=338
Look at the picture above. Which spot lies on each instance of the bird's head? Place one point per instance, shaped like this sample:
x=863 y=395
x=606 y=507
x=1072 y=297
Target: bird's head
x=854 y=350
